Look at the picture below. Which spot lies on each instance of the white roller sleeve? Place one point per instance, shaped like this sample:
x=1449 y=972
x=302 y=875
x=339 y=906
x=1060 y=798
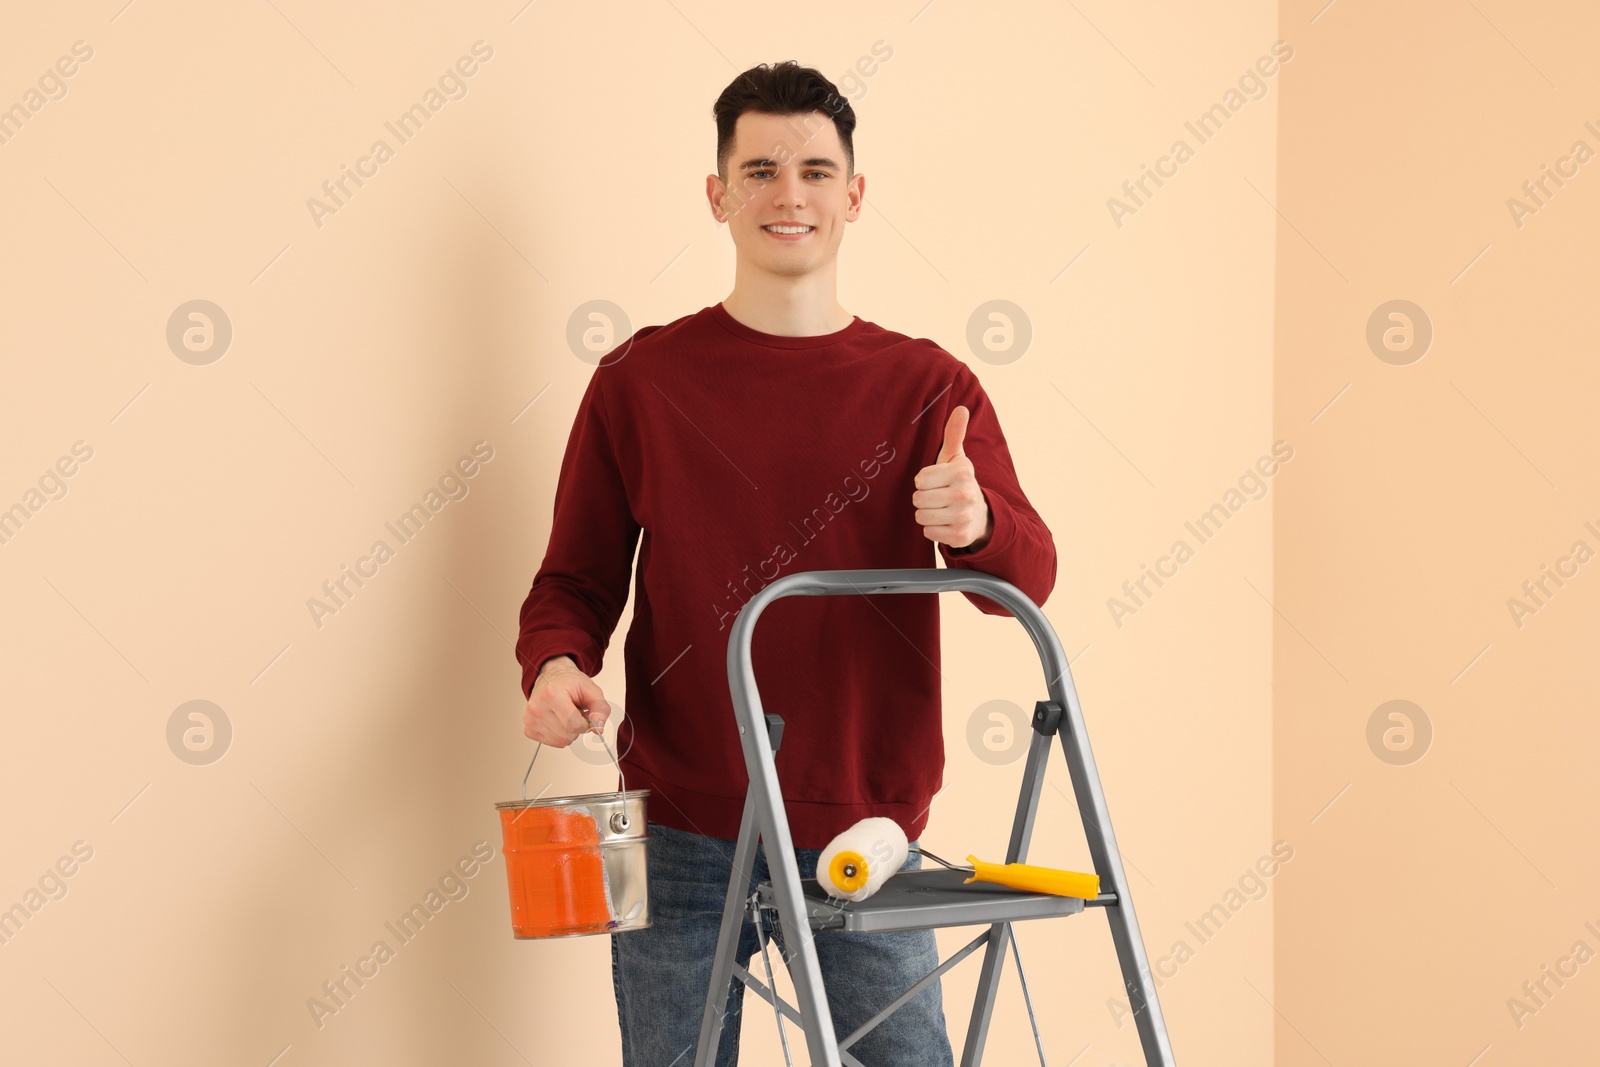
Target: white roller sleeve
x=877 y=845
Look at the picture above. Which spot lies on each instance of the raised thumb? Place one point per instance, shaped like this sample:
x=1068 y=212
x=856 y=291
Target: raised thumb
x=955 y=432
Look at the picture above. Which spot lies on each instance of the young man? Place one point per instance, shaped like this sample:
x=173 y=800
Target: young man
x=768 y=434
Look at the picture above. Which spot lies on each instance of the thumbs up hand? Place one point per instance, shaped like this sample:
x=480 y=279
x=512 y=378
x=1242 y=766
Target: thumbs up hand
x=951 y=508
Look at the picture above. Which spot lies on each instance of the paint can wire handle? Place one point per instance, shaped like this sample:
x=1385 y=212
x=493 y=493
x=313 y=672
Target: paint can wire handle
x=619 y=820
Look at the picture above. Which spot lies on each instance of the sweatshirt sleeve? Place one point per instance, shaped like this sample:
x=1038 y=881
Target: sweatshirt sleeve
x=1020 y=549
x=580 y=589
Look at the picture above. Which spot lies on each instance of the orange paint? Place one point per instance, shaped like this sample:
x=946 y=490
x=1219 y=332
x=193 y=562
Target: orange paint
x=555 y=871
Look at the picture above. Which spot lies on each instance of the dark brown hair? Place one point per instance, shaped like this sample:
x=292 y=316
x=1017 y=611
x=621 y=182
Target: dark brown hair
x=785 y=89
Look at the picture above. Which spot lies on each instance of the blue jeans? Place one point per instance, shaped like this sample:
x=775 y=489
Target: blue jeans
x=662 y=973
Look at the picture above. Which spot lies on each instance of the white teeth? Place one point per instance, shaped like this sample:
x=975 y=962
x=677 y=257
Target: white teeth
x=788 y=229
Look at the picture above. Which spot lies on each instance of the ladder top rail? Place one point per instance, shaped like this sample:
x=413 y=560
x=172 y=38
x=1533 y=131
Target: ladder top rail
x=901 y=580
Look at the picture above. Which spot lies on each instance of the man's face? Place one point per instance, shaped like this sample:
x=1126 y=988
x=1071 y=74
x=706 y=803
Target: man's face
x=786 y=169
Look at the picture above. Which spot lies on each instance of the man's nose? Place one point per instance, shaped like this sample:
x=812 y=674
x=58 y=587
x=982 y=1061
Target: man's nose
x=791 y=190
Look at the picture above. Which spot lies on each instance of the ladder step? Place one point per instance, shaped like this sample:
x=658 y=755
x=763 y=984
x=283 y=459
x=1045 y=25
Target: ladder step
x=921 y=900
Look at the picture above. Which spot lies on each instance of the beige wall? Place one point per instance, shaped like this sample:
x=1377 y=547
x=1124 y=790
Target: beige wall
x=1172 y=346
x=1433 y=887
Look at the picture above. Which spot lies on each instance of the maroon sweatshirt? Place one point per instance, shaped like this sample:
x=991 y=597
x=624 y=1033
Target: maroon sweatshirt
x=741 y=457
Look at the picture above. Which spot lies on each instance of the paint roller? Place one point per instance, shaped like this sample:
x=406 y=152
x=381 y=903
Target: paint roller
x=858 y=861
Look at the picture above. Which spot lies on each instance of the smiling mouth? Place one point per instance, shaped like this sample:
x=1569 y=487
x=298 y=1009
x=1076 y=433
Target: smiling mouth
x=789 y=231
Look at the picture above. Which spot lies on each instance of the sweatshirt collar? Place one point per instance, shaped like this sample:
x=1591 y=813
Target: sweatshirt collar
x=720 y=315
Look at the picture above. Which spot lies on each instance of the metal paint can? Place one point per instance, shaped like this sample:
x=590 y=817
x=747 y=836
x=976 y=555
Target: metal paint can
x=576 y=865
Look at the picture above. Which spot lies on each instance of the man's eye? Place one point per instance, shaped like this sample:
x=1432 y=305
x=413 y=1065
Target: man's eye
x=758 y=174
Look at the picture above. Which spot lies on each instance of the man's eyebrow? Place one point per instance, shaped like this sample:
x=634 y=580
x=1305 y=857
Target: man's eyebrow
x=821 y=161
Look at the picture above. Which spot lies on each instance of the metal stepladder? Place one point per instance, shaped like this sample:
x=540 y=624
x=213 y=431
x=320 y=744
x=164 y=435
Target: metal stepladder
x=919 y=899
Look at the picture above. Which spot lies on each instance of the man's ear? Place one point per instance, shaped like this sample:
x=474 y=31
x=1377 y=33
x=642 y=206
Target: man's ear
x=714 y=194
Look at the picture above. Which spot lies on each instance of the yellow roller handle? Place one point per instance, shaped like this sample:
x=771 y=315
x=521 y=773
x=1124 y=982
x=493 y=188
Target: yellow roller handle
x=1036 y=879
